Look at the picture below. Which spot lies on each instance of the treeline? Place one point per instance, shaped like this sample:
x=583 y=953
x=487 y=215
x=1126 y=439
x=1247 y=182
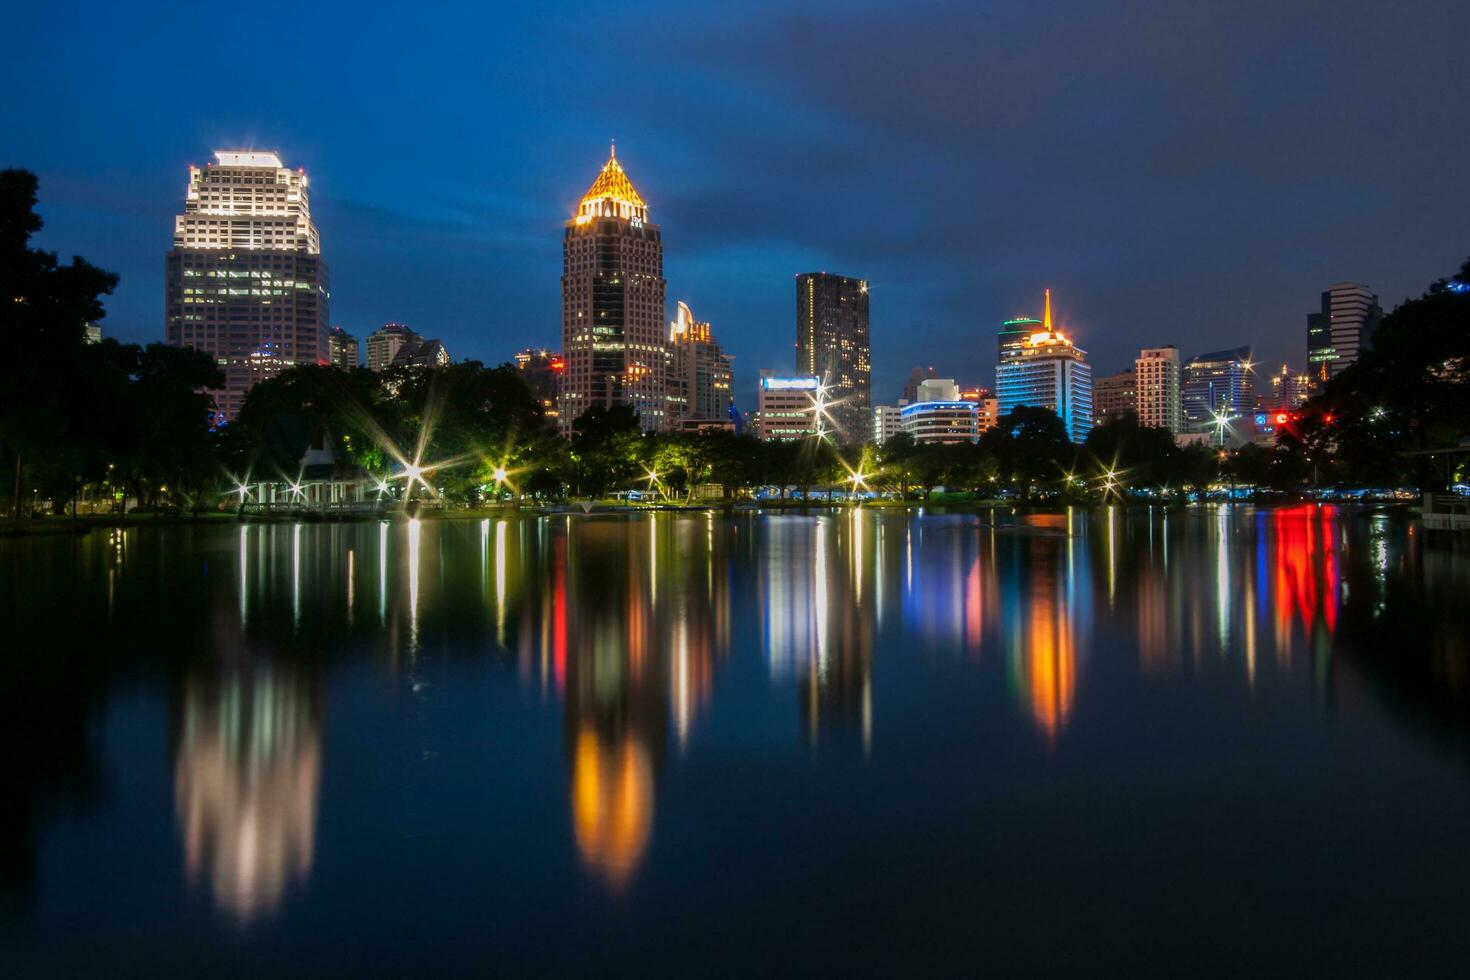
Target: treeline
x=74 y=414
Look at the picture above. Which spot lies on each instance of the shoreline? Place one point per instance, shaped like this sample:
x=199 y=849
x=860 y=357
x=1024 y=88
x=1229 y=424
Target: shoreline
x=83 y=524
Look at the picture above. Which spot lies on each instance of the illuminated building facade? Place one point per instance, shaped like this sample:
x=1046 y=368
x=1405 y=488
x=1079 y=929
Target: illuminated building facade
x=987 y=406
x=542 y=372
x=1114 y=395
x=1217 y=383
x=942 y=422
x=887 y=422
x=1289 y=389
x=1013 y=335
x=1158 y=395
x=612 y=305
x=832 y=344
x=245 y=281
x=1049 y=372
x=701 y=381
x=383 y=344
x=1337 y=334
x=788 y=409
x=421 y=354
x=342 y=348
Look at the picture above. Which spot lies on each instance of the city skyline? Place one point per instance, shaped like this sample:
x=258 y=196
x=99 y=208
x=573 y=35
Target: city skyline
x=466 y=250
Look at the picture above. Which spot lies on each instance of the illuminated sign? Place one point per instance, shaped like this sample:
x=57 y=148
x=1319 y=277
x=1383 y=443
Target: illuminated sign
x=790 y=384
x=1281 y=418
x=1260 y=418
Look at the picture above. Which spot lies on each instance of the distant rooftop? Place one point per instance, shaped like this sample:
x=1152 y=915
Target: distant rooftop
x=248 y=158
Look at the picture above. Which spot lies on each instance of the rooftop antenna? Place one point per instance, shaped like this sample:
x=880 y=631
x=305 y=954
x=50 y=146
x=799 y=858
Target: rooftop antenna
x=1046 y=317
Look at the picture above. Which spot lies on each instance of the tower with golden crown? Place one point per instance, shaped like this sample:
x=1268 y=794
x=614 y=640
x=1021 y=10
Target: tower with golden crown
x=612 y=305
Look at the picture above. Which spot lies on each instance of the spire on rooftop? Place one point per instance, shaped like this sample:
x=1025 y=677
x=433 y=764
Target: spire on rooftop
x=612 y=194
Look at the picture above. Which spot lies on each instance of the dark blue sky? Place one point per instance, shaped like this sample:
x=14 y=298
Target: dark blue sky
x=1178 y=172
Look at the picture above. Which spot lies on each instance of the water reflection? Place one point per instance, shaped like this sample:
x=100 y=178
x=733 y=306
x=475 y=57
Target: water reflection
x=246 y=776
x=656 y=645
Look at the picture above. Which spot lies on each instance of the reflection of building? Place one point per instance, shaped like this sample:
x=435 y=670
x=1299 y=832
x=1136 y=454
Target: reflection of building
x=383 y=344
x=701 y=380
x=832 y=344
x=640 y=614
x=1046 y=609
x=1160 y=404
x=1048 y=371
x=612 y=304
x=817 y=618
x=247 y=771
x=1337 y=334
x=245 y=281
x=787 y=409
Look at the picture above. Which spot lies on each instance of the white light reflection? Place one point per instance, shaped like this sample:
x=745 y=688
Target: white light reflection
x=1222 y=575
x=383 y=572
x=413 y=583
x=500 y=581
x=244 y=574
x=296 y=575
x=819 y=589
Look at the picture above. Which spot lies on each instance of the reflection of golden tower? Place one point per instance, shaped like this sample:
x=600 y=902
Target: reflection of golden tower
x=612 y=804
x=246 y=778
x=1051 y=665
x=617 y=683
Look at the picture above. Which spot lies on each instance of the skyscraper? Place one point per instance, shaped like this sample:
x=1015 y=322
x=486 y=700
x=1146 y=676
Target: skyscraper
x=383 y=344
x=245 y=281
x=342 y=348
x=612 y=304
x=700 y=379
x=1217 y=383
x=1114 y=395
x=1160 y=402
x=832 y=344
x=1048 y=372
x=1337 y=334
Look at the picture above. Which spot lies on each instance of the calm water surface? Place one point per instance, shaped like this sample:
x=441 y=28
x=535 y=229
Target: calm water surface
x=1221 y=740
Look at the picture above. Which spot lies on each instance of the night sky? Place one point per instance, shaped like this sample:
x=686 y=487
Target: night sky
x=1178 y=172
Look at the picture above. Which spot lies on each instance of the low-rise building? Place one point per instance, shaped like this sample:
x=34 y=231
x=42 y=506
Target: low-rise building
x=788 y=408
x=940 y=415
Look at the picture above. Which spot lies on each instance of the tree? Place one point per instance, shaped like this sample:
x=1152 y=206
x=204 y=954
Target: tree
x=608 y=449
x=1030 y=446
x=1410 y=390
x=44 y=311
